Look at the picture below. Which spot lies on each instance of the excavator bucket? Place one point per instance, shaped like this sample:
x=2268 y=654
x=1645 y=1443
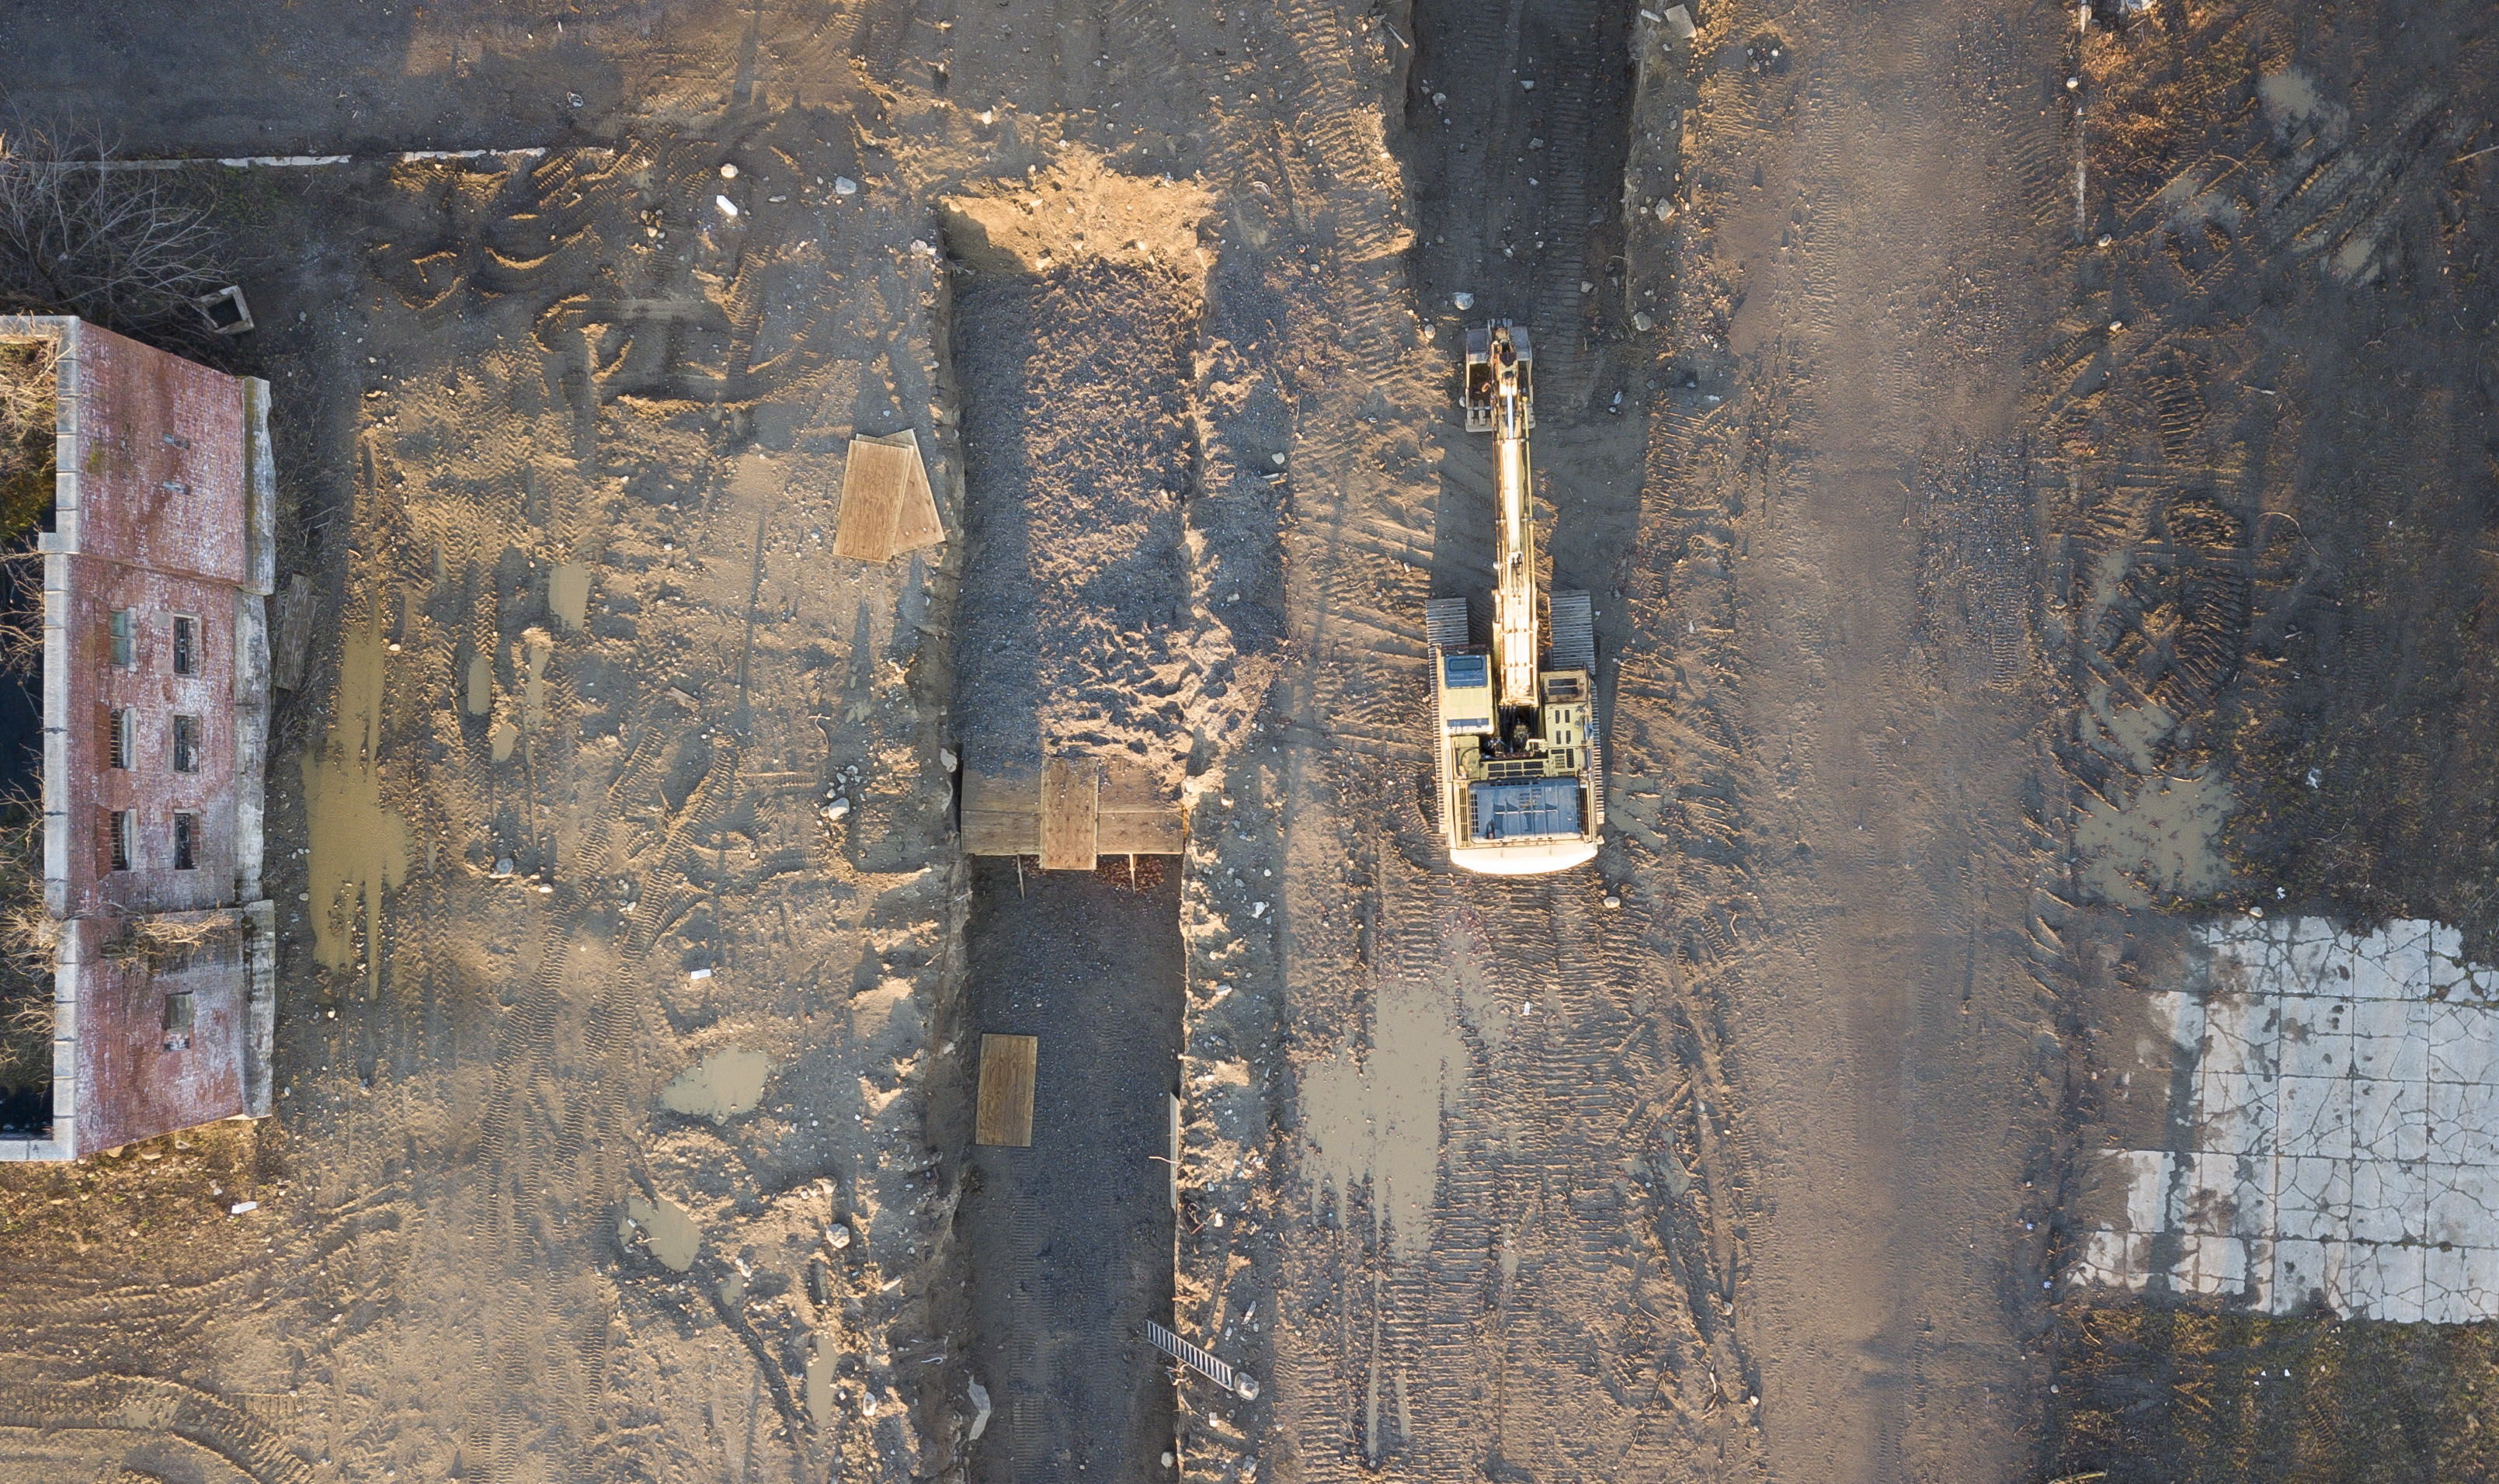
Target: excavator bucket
x=1482 y=378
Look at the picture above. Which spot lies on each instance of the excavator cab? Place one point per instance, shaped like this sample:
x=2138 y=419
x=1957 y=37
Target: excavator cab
x=1520 y=789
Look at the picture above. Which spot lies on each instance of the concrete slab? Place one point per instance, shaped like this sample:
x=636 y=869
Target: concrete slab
x=2339 y=1113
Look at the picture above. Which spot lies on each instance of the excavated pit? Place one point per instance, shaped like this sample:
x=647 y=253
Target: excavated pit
x=1082 y=636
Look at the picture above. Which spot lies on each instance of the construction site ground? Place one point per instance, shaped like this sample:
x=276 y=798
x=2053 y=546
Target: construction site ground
x=2033 y=467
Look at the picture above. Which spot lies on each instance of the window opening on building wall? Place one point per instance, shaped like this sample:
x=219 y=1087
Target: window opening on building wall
x=178 y=1020
x=116 y=737
x=124 y=845
x=186 y=644
x=186 y=842
x=186 y=744
x=125 y=638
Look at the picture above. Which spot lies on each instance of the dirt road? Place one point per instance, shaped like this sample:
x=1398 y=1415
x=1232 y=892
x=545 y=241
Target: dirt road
x=1870 y=195
x=1731 y=1179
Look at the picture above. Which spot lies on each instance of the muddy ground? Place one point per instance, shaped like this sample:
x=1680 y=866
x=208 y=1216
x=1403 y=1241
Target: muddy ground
x=2034 y=470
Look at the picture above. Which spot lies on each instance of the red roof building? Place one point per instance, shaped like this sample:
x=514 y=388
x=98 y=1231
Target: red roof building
x=155 y=701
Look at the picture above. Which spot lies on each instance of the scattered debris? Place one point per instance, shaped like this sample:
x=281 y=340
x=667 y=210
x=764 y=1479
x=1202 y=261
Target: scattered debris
x=979 y=1397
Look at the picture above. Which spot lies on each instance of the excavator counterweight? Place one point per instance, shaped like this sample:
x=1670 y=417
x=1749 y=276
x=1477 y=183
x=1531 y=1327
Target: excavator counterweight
x=1520 y=789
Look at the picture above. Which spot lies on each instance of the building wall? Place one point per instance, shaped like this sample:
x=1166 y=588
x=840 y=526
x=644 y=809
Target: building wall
x=166 y=507
x=135 y=1080
x=153 y=696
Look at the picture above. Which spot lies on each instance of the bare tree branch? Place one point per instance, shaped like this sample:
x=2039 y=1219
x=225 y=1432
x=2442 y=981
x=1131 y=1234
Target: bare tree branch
x=123 y=248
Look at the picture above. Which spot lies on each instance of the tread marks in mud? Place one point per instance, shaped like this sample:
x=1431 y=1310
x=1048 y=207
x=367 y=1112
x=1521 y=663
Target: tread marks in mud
x=1541 y=98
x=2212 y=590
x=214 y=1423
x=1570 y=1071
x=2173 y=598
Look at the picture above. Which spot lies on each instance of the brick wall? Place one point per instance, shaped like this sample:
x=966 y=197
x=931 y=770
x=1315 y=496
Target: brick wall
x=164 y=513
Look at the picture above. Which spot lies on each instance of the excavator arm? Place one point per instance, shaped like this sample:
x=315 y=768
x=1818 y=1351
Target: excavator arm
x=1516 y=647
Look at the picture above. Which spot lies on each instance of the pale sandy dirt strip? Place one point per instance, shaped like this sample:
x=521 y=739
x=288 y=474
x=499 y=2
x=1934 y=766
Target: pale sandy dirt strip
x=1860 y=278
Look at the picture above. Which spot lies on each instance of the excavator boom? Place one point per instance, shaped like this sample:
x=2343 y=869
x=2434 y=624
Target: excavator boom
x=1513 y=595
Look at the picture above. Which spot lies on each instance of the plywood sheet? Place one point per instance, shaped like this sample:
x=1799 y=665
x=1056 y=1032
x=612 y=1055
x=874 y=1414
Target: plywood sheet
x=1001 y=832
x=1005 y=1112
x=1127 y=785
x=886 y=504
x=1136 y=818
x=1004 y=816
x=1070 y=815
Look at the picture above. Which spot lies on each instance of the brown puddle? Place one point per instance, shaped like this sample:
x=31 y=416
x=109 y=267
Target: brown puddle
x=359 y=846
x=568 y=593
x=2161 y=839
x=1377 y=1119
x=674 y=1236
x=727 y=1084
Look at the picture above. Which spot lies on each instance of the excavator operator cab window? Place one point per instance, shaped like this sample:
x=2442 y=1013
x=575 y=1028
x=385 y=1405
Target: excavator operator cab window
x=1465 y=672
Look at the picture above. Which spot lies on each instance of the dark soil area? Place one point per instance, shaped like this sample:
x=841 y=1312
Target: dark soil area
x=2157 y=1396
x=2289 y=449
x=1069 y=1243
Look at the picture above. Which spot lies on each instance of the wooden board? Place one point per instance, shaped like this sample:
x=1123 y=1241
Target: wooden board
x=1005 y=1115
x=1070 y=815
x=1135 y=817
x=1138 y=832
x=1001 y=816
x=886 y=504
x=295 y=610
x=916 y=523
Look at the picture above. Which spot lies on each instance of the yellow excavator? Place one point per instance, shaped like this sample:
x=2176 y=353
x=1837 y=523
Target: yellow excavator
x=1521 y=788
